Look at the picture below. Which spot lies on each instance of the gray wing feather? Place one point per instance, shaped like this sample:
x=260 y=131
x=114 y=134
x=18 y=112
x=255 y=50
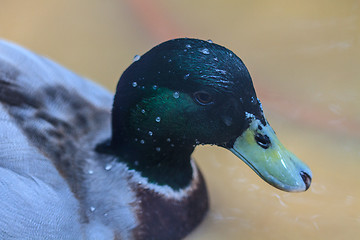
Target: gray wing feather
x=37 y=72
x=35 y=198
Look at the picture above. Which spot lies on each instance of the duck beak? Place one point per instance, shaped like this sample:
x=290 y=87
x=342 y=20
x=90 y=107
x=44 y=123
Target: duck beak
x=260 y=149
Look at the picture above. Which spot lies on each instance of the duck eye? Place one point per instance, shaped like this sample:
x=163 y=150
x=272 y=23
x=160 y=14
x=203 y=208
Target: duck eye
x=262 y=140
x=203 y=98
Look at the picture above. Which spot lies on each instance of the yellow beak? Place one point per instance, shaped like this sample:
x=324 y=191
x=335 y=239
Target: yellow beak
x=260 y=148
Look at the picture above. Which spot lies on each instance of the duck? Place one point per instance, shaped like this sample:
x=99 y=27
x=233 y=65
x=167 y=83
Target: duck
x=77 y=162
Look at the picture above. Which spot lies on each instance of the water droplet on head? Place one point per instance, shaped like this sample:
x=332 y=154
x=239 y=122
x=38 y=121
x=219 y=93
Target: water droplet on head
x=186 y=76
x=136 y=58
x=168 y=140
x=134 y=84
x=108 y=166
x=158 y=149
x=136 y=163
x=220 y=71
x=155 y=87
x=135 y=139
x=169 y=60
x=205 y=51
x=106 y=214
x=90 y=171
x=260 y=105
x=142 y=141
x=172 y=145
x=176 y=95
x=92 y=208
x=142 y=110
x=150 y=133
x=157 y=119
x=209 y=41
x=197 y=141
x=188 y=46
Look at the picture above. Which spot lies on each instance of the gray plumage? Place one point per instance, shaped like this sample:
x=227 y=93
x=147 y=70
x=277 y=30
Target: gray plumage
x=51 y=186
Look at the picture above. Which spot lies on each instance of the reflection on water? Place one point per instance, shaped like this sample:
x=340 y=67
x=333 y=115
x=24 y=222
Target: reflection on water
x=304 y=59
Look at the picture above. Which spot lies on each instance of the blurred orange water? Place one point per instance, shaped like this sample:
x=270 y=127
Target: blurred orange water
x=304 y=59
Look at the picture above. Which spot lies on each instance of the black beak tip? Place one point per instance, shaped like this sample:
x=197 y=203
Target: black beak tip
x=306 y=178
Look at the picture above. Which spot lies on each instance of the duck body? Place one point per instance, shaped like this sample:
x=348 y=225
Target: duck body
x=61 y=187
x=76 y=165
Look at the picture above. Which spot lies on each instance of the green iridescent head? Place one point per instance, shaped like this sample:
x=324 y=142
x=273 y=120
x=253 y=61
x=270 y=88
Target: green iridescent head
x=186 y=92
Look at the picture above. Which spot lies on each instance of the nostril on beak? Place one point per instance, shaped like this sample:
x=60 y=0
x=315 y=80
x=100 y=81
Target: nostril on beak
x=306 y=178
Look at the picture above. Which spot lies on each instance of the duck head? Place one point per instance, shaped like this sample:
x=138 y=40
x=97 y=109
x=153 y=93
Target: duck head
x=186 y=92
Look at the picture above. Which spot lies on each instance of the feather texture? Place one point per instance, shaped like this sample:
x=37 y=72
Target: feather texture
x=50 y=121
